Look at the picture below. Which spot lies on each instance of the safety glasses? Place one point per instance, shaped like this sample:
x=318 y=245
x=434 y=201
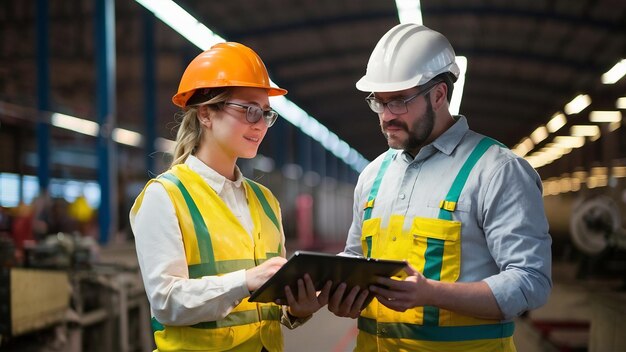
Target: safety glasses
x=395 y=106
x=255 y=113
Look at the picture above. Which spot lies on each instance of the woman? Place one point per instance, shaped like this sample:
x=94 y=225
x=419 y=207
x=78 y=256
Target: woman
x=205 y=236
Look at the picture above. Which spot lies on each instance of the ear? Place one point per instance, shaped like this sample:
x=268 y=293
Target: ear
x=439 y=96
x=203 y=115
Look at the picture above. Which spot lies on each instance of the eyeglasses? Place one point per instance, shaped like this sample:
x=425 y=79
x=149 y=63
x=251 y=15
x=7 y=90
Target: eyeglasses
x=396 y=106
x=255 y=113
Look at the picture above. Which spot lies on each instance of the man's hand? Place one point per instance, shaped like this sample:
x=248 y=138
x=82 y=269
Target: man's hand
x=255 y=277
x=402 y=295
x=307 y=301
x=351 y=305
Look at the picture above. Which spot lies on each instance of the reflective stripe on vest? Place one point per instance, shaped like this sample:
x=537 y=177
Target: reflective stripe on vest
x=209 y=266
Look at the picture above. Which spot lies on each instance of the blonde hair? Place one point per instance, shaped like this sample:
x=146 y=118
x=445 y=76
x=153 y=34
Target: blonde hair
x=189 y=132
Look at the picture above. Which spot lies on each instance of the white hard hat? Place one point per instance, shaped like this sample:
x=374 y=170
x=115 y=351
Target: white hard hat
x=408 y=55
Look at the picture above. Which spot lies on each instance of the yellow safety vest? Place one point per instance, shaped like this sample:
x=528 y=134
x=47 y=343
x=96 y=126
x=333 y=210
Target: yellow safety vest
x=215 y=244
x=433 y=247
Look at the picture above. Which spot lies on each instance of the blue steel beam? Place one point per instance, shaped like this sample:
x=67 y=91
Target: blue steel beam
x=43 y=96
x=105 y=66
x=150 y=116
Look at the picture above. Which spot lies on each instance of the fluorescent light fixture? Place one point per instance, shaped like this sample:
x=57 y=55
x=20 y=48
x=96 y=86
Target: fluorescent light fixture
x=75 y=124
x=127 y=137
x=558 y=120
x=409 y=11
x=182 y=22
x=619 y=171
x=203 y=37
x=615 y=73
x=525 y=146
x=539 y=134
x=614 y=125
x=577 y=104
x=569 y=141
x=585 y=130
x=620 y=103
x=605 y=116
x=457 y=93
x=165 y=145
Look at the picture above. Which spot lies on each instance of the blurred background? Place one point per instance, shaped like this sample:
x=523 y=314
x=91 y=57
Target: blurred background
x=86 y=119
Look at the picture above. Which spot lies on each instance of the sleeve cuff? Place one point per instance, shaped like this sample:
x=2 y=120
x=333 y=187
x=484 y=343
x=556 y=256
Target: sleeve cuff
x=291 y=322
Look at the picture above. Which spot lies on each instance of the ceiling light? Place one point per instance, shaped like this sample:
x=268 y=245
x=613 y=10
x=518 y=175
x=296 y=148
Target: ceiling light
x=127 y=137
x=605 y=116
x=615 y=73
x=165 y=145
x=457 y=93
x=539 y=134
x=75 y=124
x=569 y=141
x=577 y=104
x=614 y=125
x=524 y=147
x=620 y=103
x=409 y=11
x=201 y=36
x=558 y=120
x=585 y=130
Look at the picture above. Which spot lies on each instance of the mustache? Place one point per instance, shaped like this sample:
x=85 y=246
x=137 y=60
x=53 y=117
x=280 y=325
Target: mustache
x=395 y=123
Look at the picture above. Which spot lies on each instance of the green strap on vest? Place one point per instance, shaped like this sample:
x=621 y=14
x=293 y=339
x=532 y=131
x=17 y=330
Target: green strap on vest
x=448 y=205
x=266 y=208
x=374 y=192
x=434 y=250
x=433 y=255
x=205 y=247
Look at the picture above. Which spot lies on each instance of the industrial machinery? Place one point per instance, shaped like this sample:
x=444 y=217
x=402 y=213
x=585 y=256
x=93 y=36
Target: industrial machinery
x=596 y=226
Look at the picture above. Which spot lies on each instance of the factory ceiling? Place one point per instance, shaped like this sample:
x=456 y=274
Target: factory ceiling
x=526 y=59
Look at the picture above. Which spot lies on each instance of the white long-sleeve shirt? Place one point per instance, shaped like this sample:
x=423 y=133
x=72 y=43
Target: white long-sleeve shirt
x=175 y=299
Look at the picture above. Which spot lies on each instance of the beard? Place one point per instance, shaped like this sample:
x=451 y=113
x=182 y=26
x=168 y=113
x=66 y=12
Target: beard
x=418 y=133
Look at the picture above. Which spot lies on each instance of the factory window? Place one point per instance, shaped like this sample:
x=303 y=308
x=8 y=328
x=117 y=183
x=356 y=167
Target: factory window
x=59 y=188
x=9 y=189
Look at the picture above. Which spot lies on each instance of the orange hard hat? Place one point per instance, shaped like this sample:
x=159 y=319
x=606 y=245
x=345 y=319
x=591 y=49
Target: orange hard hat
x=224 y=65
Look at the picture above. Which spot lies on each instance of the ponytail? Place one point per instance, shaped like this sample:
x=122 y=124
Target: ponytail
x=189 y=133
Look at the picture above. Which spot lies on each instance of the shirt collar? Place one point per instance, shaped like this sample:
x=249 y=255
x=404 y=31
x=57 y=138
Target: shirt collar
x=450 y=139
x=212 y=177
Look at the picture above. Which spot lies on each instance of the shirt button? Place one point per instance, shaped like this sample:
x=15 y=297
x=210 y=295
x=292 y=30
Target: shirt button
x=402 y=196
x=394 y=238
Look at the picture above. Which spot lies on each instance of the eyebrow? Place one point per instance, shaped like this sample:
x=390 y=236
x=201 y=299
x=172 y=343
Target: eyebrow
x=248 y=102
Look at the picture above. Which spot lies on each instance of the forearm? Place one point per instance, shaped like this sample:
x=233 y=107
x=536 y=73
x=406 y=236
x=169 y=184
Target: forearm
x=473 y=298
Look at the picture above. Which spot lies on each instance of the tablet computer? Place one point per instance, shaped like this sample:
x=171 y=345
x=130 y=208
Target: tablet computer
x=323 y=267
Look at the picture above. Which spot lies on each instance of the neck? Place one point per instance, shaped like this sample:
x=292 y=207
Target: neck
x=220 y=162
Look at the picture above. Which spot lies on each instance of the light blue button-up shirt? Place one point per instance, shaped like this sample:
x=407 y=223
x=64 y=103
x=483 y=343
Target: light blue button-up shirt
x=504 y=231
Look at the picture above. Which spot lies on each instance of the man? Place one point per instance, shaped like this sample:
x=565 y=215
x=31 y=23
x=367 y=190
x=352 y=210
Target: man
x=463 y=211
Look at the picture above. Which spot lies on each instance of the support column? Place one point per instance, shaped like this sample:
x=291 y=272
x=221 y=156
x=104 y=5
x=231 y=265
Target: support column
x=107 y=166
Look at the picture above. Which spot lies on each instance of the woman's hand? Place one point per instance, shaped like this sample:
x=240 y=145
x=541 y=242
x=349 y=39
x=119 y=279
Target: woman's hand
x=255 y=277
x=307 y=301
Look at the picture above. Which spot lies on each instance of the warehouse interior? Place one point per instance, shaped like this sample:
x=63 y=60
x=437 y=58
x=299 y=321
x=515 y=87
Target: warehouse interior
x=86 y=119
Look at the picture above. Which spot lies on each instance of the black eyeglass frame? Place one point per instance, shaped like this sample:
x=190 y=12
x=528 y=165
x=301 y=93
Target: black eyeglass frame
x=252 y=113
x=395 y=106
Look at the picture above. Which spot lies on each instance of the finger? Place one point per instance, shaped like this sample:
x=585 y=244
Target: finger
x=385 y=281
x=291 y=300
x=336 y=298
x=310 y=288
x=301 y=292
x=383 y=291
x=323 y=297
x=348 y=303
x=409 y=270
x=358 y=304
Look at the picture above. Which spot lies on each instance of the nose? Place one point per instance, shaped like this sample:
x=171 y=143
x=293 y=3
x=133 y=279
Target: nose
x=387 y=115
